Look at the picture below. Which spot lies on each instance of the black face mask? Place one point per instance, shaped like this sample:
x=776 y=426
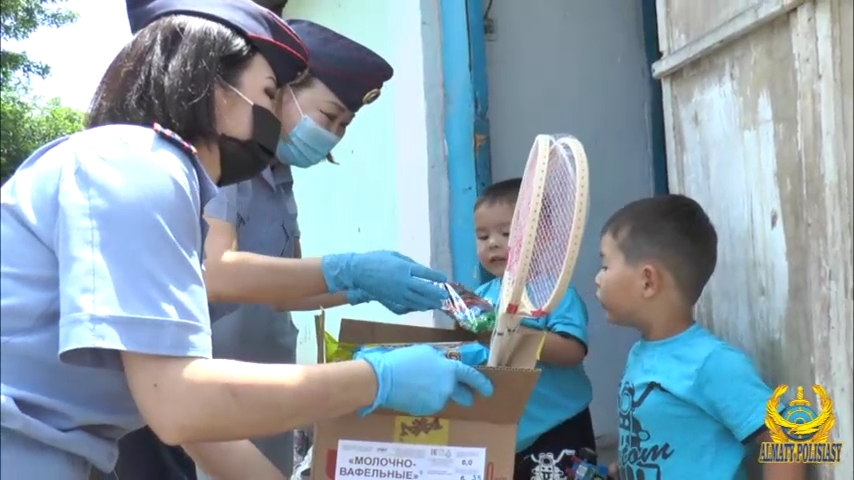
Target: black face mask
x=241 y=160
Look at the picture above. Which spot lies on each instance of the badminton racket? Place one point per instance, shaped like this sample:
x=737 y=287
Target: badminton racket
x=545 y=236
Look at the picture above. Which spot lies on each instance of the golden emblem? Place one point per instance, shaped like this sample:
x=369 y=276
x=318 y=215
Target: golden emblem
x=371 y=96
x=801 y=424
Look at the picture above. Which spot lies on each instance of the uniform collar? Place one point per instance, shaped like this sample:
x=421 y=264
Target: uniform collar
x=278 y=174
x=207 y=188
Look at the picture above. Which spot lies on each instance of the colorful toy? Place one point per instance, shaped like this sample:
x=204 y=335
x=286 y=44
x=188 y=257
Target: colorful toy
x=471 y=312
x=584 y=467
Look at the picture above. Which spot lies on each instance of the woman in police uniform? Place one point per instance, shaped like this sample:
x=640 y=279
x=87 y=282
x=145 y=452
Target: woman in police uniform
x=103 y=311
x=260 y=215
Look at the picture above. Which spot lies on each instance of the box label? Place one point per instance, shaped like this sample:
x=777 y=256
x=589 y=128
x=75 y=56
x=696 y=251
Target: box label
x=421 y=430
x=359 y=460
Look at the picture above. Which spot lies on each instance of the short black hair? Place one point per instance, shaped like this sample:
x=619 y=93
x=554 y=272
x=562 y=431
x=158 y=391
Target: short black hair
x=673 y=230
x=505 y=191
x=167 y=74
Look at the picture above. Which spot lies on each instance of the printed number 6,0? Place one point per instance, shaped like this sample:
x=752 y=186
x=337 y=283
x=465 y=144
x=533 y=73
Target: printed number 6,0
x=467 y=462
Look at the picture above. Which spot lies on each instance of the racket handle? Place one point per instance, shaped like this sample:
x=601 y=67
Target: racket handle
x=511 y=340
x=495 y=347
x=501 y=348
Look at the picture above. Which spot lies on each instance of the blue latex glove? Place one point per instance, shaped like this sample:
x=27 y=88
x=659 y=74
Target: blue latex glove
x=419 y=380
x=358 y=297
x=387 y=277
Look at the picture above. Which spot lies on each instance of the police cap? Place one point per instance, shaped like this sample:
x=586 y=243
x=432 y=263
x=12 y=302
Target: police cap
x=277 y=42
x=353 y=72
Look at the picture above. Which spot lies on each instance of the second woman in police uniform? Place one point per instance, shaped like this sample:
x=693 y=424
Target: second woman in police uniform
x=260 y=215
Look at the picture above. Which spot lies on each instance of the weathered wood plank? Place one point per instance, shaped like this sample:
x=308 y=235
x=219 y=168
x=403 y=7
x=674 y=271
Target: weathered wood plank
x=759 y=131
x=736 y=27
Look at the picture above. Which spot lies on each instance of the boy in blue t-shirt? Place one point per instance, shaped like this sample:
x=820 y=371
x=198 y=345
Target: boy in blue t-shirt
x=689 y=403
x=556 y=418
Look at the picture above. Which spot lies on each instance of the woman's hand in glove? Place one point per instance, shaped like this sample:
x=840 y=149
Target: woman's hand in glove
x=419 y=380
x=396 y=281
x=358 y=297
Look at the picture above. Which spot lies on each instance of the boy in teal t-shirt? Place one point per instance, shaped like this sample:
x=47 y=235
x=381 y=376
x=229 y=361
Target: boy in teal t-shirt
x=689 y=403
x=556 y=420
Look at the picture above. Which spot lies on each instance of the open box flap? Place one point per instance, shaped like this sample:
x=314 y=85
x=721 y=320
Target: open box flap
x=363 y=332
x=513 y=384
x=320 y=336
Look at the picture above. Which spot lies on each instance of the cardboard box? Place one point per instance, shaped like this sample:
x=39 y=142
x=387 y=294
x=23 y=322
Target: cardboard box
x=458 y=443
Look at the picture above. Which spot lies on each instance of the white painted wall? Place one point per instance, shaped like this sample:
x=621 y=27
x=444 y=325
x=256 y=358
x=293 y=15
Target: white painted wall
x=577 y=67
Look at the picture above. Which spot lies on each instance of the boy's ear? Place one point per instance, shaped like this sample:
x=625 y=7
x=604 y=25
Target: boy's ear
x=651 y=278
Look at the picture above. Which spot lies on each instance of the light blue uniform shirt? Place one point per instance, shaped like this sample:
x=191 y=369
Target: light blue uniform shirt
x=264 y=214
x=101 y=254
x=561 y=392
x=687 y=404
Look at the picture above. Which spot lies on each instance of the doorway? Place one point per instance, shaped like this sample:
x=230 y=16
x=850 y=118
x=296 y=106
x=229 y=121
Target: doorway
x=555 y=66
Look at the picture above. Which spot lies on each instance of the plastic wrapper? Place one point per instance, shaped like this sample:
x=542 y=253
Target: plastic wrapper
x=337 y=351
x=302 y=470
x=470 y=311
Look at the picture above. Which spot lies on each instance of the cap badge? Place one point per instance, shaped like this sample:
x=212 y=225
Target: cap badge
x=371 y=96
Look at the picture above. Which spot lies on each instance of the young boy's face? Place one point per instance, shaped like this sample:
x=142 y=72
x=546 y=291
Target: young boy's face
x=618 y=284
x=492 y=228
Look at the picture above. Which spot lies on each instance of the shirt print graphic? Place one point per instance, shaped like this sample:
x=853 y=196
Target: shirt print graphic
x=641 y=455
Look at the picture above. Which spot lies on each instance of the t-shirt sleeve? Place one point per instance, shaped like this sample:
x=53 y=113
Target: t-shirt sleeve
x=128 y=243
x=224 y=205
x=569 y=317
x=489 y=291
x=729 y=388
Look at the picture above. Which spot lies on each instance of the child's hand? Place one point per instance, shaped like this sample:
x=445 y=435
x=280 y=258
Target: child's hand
x=613 y=472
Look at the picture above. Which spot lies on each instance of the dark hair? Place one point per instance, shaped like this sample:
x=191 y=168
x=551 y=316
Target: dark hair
x=167 y=73
x=673 y=230
x=505 y=191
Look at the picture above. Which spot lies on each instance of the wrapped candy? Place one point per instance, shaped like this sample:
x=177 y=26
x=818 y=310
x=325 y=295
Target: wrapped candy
x=470 y=311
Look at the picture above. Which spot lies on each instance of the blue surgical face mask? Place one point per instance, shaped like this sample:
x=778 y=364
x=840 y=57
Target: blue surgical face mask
x=307 y=144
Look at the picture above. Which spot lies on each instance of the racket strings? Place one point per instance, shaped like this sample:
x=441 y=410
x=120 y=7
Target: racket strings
x=554 y=229
x=544 y=237
x=519 y=223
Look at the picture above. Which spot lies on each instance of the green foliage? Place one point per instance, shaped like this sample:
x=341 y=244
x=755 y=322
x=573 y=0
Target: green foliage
x=26 y=122
x=18 y=20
